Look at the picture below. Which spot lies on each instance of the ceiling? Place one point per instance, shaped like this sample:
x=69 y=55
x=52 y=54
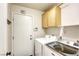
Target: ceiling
x=38 y=6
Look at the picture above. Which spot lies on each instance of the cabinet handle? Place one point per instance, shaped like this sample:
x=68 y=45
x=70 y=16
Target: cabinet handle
x=52 y=54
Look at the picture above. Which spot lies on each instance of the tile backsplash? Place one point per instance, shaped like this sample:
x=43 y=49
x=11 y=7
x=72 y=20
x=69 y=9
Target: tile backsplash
x=69 y=31
x=72 y=32
x=53 y=30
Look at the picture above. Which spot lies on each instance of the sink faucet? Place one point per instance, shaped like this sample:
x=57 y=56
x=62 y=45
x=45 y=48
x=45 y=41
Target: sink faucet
x=60 y=38
x=77 y=43
x=61 y=33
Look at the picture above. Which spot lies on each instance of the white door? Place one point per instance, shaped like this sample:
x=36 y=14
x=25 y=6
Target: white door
x=23 y=42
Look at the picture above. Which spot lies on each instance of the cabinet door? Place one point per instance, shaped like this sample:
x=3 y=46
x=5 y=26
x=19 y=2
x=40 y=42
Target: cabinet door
x=58 y=16
x=51 y=18
x=48 y=52
x=45 y=20
x=38 y=48
x=70 y=14
x=54 y=18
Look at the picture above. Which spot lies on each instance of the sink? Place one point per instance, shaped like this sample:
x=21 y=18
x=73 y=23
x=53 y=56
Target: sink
x=65 y=49
x=62 y=48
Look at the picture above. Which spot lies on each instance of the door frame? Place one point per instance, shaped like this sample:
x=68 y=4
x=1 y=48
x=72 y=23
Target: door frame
x=12 y=51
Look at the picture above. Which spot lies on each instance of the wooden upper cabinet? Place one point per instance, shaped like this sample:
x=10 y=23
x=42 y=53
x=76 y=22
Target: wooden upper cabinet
x=52 y=18
x=45 y=20
x=58 y=16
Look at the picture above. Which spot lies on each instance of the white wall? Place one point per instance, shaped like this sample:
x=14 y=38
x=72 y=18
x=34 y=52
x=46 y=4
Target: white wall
x=36 y=14
x=3 y=28
x=70 y=14
x=53 y=30
x=37 y=18
x=71 y=32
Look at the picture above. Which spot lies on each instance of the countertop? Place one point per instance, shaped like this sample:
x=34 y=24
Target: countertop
x=48 y=40
x=70 y=43
x=45 y=40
